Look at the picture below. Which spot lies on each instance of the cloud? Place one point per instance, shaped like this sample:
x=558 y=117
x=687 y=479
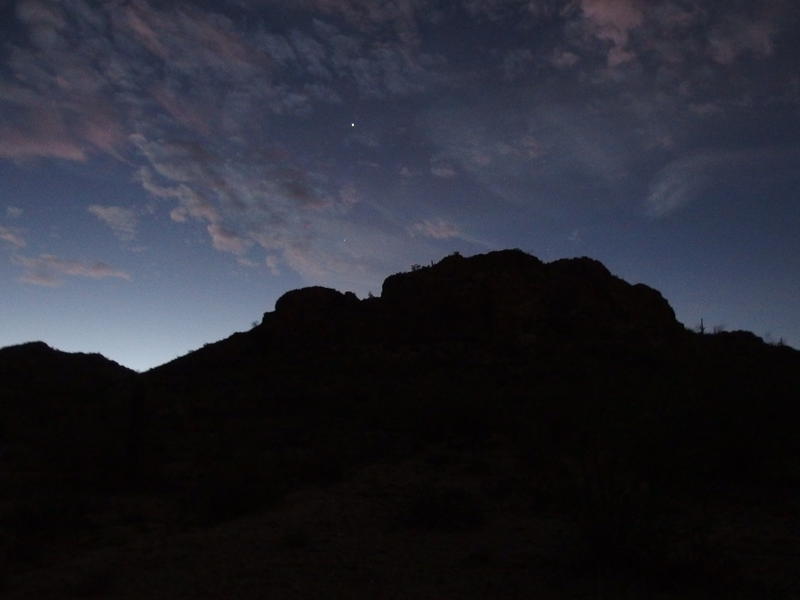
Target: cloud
x=500 y=10
x=122 y=221
x=246 y=262
x=438 y=229
x=405 y=172
x=273 y=263
x=705 y=108
x=188 y=97
x=686 y=179
x=443 y=170
x=677 y=184
x=13 y=212
x=349 y=195
x=226 y=240
x=612 y=21
x=47 y=139
x=48 y=270
x=369 y=16
x=737 y=36
x=12 y=236
x=511 y=153
x=234 y=126
x=563 y=59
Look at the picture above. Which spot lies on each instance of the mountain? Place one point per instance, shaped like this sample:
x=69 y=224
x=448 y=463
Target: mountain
x=58 y=411
x=487 y=426
x=37 y=364
x=499 y=307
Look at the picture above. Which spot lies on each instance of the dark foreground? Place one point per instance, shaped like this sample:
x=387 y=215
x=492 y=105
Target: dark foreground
x=488 y=427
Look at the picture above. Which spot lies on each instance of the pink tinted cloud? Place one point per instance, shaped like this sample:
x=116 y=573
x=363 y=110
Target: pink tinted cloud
x=18 y=144
x=182 y=110
x=103 y=132
x=190 y=35
x=612 y=21
x=64 y=118
x=48 y=270
x=137 y=20
x=227 y=240
x=12 y=236
x=217 y=37
x=615 y=17
x=190 y=203
x=39 y=132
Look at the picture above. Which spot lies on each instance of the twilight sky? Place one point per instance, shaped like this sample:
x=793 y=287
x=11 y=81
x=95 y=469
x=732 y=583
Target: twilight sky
x=169 y=169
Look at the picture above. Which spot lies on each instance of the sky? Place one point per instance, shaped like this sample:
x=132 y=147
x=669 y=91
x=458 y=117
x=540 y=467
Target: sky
x=169 y=169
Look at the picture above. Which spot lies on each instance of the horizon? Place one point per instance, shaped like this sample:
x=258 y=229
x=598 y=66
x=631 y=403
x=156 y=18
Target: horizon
x=168 y=170
x=700 y=328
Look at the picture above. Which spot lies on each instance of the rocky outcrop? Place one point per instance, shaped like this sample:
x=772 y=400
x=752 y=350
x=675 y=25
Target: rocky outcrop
x=313 y=301
x=514 y=297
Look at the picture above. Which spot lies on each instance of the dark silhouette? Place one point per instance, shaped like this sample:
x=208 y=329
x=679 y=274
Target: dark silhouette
x=491 y=426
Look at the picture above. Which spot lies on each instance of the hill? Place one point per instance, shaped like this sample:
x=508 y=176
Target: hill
x=487 y=426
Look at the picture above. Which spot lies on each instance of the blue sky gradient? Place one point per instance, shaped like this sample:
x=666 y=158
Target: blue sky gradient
x=169 y=169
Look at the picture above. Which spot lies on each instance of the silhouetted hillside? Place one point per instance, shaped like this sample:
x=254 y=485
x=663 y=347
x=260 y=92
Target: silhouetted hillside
x=61 y=412
x=475 y=397
x=37 y=364
x=41 y=383
x=507 y=302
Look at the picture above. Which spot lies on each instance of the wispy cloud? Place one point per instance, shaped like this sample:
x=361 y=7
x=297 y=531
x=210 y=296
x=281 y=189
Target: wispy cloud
x=14 y=212
x=273 y=264
x=193 y=101
x=43 y=140
x=122 y=221
x=227 y=240
x=12 y=236
x=438 y=229
x=235 y=128
x=686 y=179
x=443 y=170
x=49 y=270
x=738 y=36
x=677 y=184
